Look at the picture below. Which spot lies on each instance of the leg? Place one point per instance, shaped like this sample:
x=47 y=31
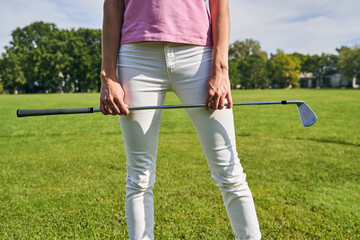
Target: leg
x=143 y=85
x=140 y=132
x=217 y=136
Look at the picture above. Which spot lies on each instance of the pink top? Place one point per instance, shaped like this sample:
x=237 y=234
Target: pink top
x=180 y=21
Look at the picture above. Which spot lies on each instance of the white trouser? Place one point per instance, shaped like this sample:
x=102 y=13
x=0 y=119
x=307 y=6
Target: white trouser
x=146 y=71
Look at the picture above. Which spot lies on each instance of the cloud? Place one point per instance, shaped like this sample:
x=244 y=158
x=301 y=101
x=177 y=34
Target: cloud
x=303 y=26
x=65 y=14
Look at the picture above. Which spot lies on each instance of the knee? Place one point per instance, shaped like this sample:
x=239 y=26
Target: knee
x=140 y=172
x=229 y=178
x=140 y=183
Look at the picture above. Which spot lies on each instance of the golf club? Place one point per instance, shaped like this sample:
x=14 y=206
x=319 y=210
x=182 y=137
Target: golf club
x=307 y=116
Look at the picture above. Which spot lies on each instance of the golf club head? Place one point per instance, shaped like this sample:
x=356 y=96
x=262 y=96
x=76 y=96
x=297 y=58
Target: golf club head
x=307 y=115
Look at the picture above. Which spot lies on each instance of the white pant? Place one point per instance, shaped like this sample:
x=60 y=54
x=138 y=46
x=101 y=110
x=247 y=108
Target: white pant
x=146 y=71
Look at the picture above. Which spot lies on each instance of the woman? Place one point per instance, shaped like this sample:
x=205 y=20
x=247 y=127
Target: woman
x=163 y=45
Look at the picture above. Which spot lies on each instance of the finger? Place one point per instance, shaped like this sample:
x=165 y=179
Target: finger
x=123 y=107
x=206 y=104
x=210 y=99
x=108 y=108
x=115 y=107
x=102 y=108
x=229 y=101
x=210 y=103
x=207 y=101
x=215 y=102
x=221 y=103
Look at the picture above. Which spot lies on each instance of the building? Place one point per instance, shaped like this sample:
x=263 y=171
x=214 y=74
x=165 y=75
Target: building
x=334 y=80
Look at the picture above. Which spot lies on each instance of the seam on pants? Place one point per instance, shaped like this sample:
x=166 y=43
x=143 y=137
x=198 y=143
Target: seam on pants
x=170 y=61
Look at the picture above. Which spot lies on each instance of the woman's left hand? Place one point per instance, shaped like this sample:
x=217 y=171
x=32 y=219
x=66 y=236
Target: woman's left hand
x=218 y=89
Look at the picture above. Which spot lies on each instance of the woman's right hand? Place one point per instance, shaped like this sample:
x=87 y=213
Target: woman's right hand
x=112 y=97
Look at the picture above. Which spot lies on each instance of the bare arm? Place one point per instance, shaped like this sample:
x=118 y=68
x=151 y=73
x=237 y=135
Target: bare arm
x=112 y=94
x=218 y=88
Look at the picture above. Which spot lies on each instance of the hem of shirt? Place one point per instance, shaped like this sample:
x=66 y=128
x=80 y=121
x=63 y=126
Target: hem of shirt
x=200 y=42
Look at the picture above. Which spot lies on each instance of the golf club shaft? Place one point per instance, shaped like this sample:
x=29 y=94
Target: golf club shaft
x=42 y=112
x=203 y=105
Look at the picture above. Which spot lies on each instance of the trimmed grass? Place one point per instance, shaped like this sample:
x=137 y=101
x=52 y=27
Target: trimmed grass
x=64 y=176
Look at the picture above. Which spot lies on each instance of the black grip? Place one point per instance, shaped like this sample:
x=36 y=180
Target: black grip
x=41 y=112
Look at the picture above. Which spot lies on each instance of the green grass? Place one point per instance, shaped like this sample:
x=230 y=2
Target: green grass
x=64 y=176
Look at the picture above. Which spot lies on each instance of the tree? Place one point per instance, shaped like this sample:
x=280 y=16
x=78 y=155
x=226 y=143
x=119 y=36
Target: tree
x=85 y=49
x=247 y=64
x=35 y=46
x=317 y=65
x=43 y=58
x=234 y=74
x=284 y=69
x=349 y=62
x=252 y=70
x=245 y=48
x=12 y=77
x=308 y=63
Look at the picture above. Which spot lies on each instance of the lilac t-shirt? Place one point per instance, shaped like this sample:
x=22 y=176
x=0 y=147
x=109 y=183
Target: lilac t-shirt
x=180 y=21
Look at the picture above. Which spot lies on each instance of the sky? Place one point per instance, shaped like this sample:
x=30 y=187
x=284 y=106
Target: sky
x=304 y=26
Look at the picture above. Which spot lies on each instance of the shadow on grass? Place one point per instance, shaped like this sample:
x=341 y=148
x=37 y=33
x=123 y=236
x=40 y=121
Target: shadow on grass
x=323 y=140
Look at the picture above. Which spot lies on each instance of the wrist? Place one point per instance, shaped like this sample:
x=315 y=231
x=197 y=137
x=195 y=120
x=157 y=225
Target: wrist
x=219 y=67
x=220 y=61
x=106 y=76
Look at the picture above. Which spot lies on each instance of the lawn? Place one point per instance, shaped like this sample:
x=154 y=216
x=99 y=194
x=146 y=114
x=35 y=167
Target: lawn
x=64 y=176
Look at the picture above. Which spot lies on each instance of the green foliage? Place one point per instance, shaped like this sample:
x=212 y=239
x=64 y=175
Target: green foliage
x=234 y=74
x=284 y=69
x=253 y=72
x=63 y=177
x=12 y=75
x=308 y=63
x=349 y=63
x=241 y=49
x=319 y=66
x=247 y=65
x=85 y=49
x=43 y=58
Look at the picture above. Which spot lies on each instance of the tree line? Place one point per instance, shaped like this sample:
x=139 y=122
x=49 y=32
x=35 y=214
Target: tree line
x=251 y=68
x=42 y=58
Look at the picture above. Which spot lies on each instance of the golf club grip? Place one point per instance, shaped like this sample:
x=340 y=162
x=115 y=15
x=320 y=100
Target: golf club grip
x=41 y=112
